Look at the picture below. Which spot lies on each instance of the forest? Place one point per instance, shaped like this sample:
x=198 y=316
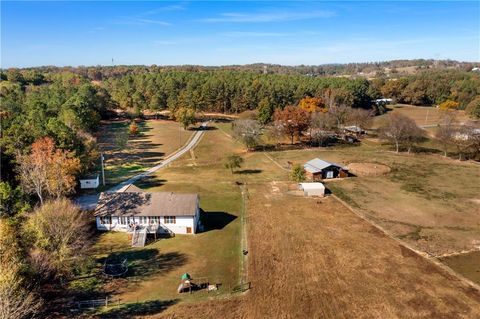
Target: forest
x=67 y=106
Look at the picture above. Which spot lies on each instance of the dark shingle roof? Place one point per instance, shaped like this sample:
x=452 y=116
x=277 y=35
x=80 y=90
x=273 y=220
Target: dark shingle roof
x=146 y=204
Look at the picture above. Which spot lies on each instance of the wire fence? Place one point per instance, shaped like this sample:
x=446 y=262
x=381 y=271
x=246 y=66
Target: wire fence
x=95 y=303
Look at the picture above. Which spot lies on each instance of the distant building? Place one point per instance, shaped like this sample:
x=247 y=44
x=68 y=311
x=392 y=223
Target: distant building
x=318 y=169
x=383 y=101
x=89 y=182
x=465 y=136
x=354 y=129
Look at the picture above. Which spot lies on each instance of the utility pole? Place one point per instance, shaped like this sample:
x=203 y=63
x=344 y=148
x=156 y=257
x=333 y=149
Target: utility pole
x=103 y=169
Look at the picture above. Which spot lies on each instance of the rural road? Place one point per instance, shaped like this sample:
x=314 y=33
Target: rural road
x=88 y=202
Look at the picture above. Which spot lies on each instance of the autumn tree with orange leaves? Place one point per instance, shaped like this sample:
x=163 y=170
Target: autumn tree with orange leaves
x=312 y=104
x=293 y=120
x=47 y=171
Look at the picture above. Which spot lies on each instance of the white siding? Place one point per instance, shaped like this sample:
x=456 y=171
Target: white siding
x=179 y=227
x=89 y=183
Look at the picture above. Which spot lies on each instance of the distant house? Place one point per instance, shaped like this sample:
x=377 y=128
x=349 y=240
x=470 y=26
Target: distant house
x=157 y=212
x=89 y=182
x=383 y=101
x=465 y=136
x=312 y=189
x=318 y=169
x=476 y=69
x=354 y=129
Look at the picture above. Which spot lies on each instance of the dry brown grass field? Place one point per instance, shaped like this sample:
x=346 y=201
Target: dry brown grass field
x=313 y=258
x=427 y=115
x=429 y=201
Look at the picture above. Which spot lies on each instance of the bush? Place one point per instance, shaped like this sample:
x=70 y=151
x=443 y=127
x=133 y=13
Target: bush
x=298 y=173
x=133 y=128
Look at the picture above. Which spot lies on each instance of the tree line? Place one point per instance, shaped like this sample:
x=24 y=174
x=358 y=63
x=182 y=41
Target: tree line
x=431 y=87
x=100 y=73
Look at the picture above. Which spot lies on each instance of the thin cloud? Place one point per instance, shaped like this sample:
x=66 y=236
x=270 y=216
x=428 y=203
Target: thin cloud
x=177 y=7
x=281 y=16
x=247 y=34
x=140 y=21
x=145 y=18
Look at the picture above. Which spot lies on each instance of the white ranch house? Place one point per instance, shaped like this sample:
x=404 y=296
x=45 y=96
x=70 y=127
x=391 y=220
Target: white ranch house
x=161 y=212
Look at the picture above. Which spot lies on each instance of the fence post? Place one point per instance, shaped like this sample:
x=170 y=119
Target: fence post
x=106 y=302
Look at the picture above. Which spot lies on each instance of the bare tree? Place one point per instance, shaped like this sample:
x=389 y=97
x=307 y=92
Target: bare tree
x=446 y=130
x=321 y=125
x=248 y=132
x=467 y=140
x=275 y=133
x=401 y=131
x=16 y=300
x=60 y=234
x=360 y=118
x=339 y=113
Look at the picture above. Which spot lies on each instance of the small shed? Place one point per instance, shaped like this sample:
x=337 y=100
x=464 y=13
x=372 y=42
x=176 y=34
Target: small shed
x=312 y=189
x=89 y=182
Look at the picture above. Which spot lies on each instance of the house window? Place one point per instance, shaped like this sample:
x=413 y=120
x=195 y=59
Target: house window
x=123 y=221
x=143 y=220
x=105 y=220
x=155 y=220
x=169 y=219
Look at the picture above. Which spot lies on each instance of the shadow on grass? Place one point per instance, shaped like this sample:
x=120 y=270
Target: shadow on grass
x=139 y=309
x=215 y=220
x=249 y=171
x=150 y=181
x=201 y=128
x=148 y=261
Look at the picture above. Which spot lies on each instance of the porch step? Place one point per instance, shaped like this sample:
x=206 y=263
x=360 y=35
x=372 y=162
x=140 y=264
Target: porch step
x=139 y=238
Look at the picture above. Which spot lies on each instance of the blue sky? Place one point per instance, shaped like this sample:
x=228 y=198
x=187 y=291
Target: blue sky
x=233 y=32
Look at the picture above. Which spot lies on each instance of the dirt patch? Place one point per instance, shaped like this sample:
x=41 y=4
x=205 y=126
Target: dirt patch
x=368 y=169
x=466 y=264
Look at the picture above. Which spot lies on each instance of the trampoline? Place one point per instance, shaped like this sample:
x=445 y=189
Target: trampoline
x=115 y=266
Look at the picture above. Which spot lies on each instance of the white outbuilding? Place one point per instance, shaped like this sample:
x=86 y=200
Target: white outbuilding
x=312 y=189
x=89 y=182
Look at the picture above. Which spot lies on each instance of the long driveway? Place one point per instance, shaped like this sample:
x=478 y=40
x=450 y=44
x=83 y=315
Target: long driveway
x=88 y=202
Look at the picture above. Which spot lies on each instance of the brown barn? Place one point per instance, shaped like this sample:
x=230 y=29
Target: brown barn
x=318 y=169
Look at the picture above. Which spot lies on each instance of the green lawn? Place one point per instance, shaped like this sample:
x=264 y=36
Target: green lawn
x=214 y=254
x=126 y=156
